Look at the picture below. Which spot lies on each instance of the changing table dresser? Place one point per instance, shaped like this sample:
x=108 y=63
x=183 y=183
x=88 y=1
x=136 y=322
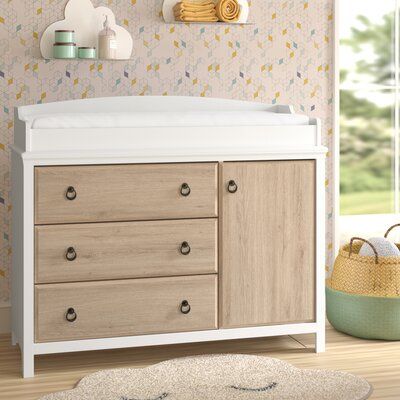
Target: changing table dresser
x=144 y=221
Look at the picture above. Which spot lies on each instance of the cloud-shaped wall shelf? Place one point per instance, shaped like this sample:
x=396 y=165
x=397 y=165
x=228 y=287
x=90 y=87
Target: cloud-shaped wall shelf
x=87 y=21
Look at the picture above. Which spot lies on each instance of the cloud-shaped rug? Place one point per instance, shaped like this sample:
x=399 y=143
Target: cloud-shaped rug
x=218 y=377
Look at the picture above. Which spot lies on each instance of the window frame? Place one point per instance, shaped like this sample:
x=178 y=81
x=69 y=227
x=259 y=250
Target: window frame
x=368 y=87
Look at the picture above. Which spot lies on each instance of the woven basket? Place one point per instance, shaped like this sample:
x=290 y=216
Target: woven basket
x=366 y=275
x=363 y=316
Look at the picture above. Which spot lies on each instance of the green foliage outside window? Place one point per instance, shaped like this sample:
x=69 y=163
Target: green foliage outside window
x=366 y=147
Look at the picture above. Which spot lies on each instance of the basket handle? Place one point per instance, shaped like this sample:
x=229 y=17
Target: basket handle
x=365 y=241
x=388 y=231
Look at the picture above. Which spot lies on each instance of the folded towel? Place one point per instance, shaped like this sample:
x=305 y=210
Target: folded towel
x=197 y=19
x=228 y=10
x=185 y=7
x=197 y=10
x=190 y=11
x=181 y=13
x=204 y=3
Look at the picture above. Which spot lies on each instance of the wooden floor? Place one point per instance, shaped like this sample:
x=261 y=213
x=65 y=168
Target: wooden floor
x=377 y=361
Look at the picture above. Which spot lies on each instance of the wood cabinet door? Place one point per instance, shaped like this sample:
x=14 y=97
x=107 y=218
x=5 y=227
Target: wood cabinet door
x=267 y=273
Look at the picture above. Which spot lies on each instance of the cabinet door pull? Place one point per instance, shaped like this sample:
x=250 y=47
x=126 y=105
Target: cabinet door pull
x=71 y=193
x=232 y=186
x=185 y=307
x=185 y=189
x=71 y=315
x=185 y=248
x=71 y=254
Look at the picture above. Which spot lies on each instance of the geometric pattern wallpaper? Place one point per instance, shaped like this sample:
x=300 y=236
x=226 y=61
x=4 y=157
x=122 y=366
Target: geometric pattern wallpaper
x=286 y=56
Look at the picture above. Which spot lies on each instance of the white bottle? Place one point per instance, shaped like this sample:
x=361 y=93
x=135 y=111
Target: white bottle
x=107 y=42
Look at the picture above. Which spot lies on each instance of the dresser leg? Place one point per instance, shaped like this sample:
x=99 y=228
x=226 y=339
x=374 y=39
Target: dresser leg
x=28 y=364
x=14 y=340
x=320 y=341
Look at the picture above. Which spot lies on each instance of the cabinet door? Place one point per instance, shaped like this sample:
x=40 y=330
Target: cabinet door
x=267 y=243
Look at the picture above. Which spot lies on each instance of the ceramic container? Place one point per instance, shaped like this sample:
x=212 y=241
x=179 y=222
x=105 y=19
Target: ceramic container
x=64 y=36
x=87 y=52
x=64 y=50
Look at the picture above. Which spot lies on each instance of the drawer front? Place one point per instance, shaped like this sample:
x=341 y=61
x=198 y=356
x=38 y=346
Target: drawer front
x=82 y=252
x=125 y=192
x=125 y=307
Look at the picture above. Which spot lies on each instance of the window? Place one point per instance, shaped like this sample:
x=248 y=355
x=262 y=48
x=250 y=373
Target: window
x=369 y=114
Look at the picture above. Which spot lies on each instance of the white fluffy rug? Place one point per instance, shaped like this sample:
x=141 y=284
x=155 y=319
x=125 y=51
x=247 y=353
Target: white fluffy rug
x=218 y=377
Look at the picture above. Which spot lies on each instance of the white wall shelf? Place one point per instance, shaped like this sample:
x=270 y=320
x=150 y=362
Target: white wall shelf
x=87 y=21
x=209 y=23
x=87 y=59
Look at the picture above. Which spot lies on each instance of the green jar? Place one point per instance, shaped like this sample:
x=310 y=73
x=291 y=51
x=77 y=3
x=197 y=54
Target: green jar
x=64 y=36
x=87 y=52
x=64 y=50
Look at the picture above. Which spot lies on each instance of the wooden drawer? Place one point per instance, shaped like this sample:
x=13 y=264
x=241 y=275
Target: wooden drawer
x=82 y=252
x=125 y=307
x=124 y=192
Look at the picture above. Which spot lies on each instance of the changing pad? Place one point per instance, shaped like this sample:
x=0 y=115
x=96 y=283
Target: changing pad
x=143 y=119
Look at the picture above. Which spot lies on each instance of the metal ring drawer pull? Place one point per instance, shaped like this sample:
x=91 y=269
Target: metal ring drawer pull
x=185 y=189
x=232 y=186
x=71 y=193
x=185 y=307
x=185 y=248
x=71 y=254
x=71 y=315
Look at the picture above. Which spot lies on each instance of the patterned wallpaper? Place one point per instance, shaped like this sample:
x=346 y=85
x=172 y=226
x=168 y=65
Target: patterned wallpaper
x=285 y=57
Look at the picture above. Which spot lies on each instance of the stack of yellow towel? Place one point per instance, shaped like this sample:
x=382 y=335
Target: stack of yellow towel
x=191 y=11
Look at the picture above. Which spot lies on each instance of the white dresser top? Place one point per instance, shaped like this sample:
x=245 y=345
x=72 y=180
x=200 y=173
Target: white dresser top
x=160 y=125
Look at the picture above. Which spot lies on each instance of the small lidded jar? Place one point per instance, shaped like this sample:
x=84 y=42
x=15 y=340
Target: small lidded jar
x=107 y=42
x=64 y=50
x=87 y=52
x=64 y=36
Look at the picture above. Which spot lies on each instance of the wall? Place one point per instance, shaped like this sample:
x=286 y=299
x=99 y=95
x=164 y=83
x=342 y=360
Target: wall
x=285 y=57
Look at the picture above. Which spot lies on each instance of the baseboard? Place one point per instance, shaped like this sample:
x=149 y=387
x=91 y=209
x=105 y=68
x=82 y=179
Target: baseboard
x=5 y=319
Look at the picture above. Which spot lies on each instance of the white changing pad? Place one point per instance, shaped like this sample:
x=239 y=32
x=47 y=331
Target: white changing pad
x=145 y=119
